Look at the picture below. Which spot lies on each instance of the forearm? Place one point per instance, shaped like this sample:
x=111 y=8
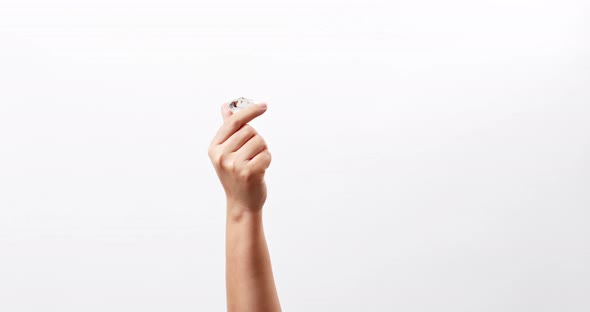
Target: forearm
x=249 y=278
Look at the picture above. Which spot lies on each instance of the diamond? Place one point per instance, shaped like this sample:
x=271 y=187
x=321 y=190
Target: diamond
x=239 y=104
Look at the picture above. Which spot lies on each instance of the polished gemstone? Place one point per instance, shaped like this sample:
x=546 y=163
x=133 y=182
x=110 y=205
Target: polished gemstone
x=240 y=103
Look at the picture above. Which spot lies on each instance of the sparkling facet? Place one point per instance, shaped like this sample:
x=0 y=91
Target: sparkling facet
x=240 y=103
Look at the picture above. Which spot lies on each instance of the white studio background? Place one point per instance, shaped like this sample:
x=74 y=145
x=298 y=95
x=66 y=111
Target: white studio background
x=427 y=155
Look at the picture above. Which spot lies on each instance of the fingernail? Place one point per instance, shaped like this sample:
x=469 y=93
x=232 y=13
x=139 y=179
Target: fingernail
x=263 y=105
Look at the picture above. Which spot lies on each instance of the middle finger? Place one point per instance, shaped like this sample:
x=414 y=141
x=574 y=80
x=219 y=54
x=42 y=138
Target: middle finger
x=234 y=142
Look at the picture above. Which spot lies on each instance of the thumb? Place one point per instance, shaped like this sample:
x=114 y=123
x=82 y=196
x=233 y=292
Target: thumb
x=225 y=111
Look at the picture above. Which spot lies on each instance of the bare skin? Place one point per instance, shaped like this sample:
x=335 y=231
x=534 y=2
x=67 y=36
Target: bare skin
x=240 y=157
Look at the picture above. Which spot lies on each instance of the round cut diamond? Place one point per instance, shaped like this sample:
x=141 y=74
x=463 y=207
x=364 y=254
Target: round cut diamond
x=240 y=103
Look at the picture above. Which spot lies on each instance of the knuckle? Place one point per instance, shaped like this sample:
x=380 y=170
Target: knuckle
x=244 y=131
x=219 y=159
x=248 y=128
x=259 y=140
x=245 y=174
x=228 y=164
x=214 y=154
x=252 y=130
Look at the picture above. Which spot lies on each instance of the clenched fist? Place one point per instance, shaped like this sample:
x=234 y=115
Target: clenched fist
x=240 y=157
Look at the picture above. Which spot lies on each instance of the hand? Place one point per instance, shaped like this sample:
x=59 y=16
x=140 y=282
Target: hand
x=240 y=157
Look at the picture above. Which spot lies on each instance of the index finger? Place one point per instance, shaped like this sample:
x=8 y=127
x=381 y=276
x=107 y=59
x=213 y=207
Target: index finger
x=237 y=120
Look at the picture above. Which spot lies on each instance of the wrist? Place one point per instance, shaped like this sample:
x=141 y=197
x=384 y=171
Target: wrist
x=236 y=213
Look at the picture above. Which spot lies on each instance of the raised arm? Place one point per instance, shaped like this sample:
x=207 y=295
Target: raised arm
x=240 y=157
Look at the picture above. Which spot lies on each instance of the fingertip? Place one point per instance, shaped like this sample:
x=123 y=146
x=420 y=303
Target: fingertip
x=257 y=108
